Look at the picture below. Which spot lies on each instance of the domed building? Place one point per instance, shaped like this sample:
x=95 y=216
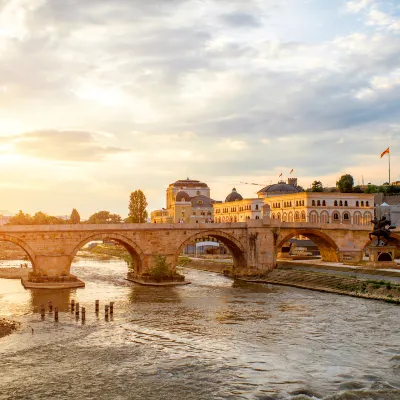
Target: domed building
x=233 y=196
x=280 y=188
x=237 y=209
x=188 y=201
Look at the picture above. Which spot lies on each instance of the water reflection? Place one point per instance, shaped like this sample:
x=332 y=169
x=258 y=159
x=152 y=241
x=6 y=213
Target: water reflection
x=213 y=339
x=59 y=298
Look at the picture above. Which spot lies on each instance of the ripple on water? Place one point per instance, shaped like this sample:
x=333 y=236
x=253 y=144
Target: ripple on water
x=214 y=339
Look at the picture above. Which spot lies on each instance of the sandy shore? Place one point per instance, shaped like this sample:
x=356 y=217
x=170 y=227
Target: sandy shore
x=14 y=273
x=6 y=327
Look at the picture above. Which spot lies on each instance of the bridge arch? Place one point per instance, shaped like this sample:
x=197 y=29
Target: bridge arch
x=234 y=246
x=328 y=248
x=134 y=250
x=28 y=250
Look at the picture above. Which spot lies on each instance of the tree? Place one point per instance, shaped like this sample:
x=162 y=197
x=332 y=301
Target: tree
x=75 y=217
x=20 y=219
x=316 y=186
x=137 y=207
x=345 y=183
x=104 y=217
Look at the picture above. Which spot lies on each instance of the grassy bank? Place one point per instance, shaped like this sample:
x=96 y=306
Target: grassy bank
x=110 y=250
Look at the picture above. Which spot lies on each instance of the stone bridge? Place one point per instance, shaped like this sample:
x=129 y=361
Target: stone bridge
x=253 y=244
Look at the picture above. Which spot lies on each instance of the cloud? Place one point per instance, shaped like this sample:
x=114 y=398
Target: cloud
x=61 y=145
x=240 y=19
x=356 y=6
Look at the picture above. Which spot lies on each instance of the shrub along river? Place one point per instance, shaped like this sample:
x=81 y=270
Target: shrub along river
x=213 y=339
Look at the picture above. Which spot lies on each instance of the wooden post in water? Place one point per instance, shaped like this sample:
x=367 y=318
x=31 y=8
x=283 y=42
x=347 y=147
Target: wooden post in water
x=97 y=306
x=50 y=306
x=106 y=311
x=83 y=314
x=56 y=314
x=111 y=307
x=77 y=310
x=72 y=305
x=42 y=311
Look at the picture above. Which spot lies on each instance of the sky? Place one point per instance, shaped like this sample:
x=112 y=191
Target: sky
x=99 y=98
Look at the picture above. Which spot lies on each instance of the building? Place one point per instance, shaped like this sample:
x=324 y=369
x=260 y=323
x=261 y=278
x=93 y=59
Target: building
x=388 y=206
x=187 y=201
x=289 y=203
x=237 y=209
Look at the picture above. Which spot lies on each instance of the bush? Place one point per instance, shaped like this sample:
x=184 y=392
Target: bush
x=161 y=270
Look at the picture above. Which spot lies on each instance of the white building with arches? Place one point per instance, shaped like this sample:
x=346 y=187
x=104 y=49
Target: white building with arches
x=323 y=207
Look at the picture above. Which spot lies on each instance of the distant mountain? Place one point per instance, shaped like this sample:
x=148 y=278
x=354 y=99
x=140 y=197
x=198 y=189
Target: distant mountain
x=6 y=213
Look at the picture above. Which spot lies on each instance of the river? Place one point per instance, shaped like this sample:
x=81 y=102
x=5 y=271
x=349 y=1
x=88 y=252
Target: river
x=213 y=339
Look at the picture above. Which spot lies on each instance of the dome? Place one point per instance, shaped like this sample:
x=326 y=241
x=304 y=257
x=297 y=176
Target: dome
x=189 y=183
x=280 y=188
x=234 y=196
x=182 y=196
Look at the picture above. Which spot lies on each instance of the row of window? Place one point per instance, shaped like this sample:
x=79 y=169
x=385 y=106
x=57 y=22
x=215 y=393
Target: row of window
x=230 y=219
x=201 y=213
x=225 y=210
x=299 y=203
x=315 y=217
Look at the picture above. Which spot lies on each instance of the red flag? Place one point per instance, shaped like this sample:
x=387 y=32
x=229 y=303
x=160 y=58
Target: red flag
x=291 y=170
x=385 y=152
x=280 y=175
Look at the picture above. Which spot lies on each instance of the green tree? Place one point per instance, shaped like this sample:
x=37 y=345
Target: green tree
x=137 y=207
x=357 y=189
x=345 y=183
x=104 y=217
x=316 y=186
x=20 y=219
x=75 y=217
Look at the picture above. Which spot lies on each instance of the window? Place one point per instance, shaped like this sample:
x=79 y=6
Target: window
x=199 y=201
x=357 y=203
x=198 y=193
x=357 y=218
x=345 y=204
x=303 y=216
x=324 y=203
x=257 y=217
x=324 y=218
x=341 y=203
x=335 y=203
x=318 y=203
x=313 y=217
x=362 y=204
x=313 y=203
x=279 y=216
x=346 y=217
x=296 y=216
x=336 y=216
x=256 y=206
x=367 y=203
x=194 y=213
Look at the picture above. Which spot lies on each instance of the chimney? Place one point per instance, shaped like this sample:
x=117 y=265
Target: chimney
x=292 y=181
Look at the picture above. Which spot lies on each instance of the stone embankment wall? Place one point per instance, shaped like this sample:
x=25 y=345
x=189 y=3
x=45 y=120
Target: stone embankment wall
x=340 y=284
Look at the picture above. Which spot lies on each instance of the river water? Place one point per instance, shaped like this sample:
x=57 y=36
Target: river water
x=213 y=339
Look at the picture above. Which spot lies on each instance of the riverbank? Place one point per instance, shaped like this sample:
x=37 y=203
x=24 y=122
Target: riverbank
x=323 y=281
x=7 y=327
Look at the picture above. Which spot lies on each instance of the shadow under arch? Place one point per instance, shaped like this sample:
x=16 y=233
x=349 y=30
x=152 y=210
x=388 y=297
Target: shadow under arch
x=328 y=248
x=133 y=249
x=24 y=246
x=233 y=245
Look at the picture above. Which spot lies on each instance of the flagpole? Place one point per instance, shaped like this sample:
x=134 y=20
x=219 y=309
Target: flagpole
x=389 y=166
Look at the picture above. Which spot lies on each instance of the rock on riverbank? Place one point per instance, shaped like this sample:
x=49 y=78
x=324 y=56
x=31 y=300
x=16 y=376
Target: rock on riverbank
x=7 y=327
